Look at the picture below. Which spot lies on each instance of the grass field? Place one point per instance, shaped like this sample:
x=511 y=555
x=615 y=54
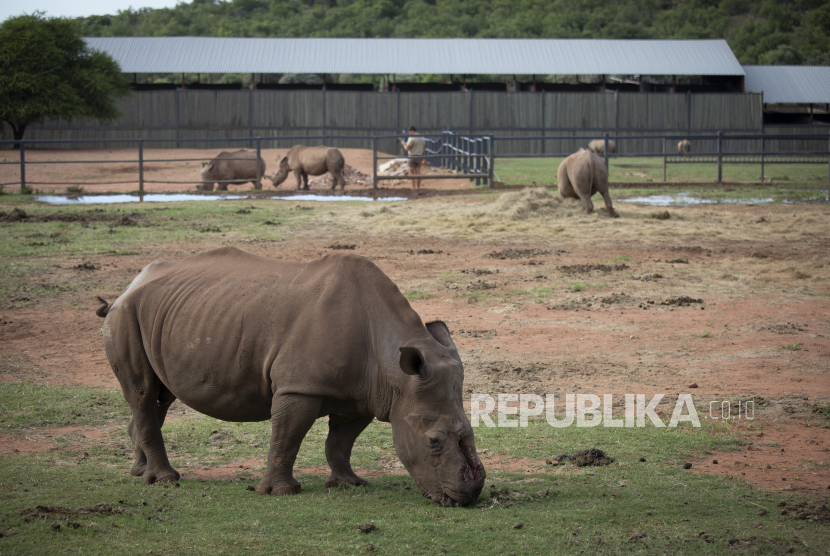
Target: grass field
x=77 y=497
x=636 y=170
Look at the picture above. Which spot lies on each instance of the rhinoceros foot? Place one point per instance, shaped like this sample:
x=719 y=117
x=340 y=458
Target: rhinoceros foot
x=279 y=488
x=168 y=475
x=339 y=479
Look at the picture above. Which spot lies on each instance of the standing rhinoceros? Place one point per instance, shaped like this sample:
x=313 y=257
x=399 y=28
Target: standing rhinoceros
x=314 y=161
x=583 y=174
x=684 y=146
x=244 y=338
x=236 y=167
x=598 y=146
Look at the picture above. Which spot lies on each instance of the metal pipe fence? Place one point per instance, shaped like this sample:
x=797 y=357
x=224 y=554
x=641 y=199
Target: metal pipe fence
x=471 y=156
x=755 y=152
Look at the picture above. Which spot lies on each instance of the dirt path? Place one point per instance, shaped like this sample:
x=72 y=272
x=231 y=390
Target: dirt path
x=563 y=312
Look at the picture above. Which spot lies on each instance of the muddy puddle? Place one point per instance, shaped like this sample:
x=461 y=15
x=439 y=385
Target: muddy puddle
x=173 y=197
x=684 y=199
x=150 y=198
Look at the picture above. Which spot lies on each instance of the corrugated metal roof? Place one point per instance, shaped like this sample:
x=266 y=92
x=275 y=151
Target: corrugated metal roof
x=425 y=56
x=789 y=84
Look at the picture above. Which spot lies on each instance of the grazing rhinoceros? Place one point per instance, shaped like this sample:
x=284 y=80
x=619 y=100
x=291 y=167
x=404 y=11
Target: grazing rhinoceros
x=244 y=338
x=227 y=168
x=314 y=161
x=583 y=174
x=598 y=146
x=684 y=146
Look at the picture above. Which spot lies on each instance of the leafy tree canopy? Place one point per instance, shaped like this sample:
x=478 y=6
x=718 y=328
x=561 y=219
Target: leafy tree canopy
x=47 y=71
x=766 y=31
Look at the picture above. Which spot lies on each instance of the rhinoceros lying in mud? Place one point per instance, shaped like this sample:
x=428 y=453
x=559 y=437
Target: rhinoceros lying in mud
x=684 y=146
x=582 y=175
x=598 y=146
x=244 y=338
x=227 y=168
x=314 y=161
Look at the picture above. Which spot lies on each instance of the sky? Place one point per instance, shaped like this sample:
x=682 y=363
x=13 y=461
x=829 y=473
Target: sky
x=77 y=8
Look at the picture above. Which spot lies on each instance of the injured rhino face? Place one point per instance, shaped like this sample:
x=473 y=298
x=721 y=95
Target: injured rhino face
x=432 y=435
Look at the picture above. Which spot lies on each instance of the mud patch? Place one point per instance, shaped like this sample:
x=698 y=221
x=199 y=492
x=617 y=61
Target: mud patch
x=516 y=254
x=681 y=301
x=784 y=328
x=810 y=511
x=586 y=268
x=688 y=249
x=585 y=458
x=48 y=512
x=19 y=215
x=341 y=246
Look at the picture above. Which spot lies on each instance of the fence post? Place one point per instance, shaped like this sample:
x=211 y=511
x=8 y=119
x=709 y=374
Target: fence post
x=398 y=118
x=374 y=163
x=763 y=147
x=141 y=166
x=720 y=157
x=251 y=124
x=605 y=138
x=478 y=161
x=466 y=155
x=258 y=184
x=664 y=160
x=828 y=160
x=177 y=117
x=22 y=165
x=689 y=112
x=471 y=111
x=324 y=114
x=543 y=121
x=492 y=156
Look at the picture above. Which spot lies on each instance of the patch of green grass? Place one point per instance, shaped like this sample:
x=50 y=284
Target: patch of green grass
x=74 y=189
x=417 y=294
x=26 y=406
x=576 y=286
x=704 y=335
x=544 y=291
x=595 y=510
x=621 y=259
x=792 y=347
x=525 y=171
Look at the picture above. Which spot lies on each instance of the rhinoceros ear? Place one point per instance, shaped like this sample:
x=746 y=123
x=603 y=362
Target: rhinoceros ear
x=441 y=333
x=413 y=361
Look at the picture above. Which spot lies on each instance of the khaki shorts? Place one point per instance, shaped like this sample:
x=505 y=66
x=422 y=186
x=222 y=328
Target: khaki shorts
x=414 y=161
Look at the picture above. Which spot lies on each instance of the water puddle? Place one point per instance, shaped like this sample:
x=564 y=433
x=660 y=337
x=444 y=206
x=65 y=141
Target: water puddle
x=336 y=198
x=169 y=198
x=682 y=199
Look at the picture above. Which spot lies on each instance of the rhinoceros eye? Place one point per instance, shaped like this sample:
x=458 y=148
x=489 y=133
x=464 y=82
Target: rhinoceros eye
x=434 y=444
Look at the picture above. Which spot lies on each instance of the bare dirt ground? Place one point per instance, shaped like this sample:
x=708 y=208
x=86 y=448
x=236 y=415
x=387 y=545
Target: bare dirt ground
x=120 y=172
x=544 y=299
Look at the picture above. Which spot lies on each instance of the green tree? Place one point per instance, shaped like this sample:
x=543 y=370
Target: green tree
x=47 y=71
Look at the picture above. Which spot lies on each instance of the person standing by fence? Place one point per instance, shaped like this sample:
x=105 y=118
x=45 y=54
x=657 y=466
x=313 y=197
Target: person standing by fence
x=415 y=146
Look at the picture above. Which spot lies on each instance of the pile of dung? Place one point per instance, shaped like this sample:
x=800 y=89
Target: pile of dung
x=524 y=204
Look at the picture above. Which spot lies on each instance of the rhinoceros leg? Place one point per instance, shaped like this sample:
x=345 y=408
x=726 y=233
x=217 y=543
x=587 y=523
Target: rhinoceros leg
x=608 y=205
x=299 y=175
x=291 y=417
x=342 y=434
x=149 y=401
x=166 y=398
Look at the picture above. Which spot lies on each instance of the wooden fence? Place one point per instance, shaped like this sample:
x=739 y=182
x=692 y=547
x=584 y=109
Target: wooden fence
x=183 y=114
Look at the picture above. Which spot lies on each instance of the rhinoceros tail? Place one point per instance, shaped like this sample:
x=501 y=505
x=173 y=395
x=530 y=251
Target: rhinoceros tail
x=103 y=309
